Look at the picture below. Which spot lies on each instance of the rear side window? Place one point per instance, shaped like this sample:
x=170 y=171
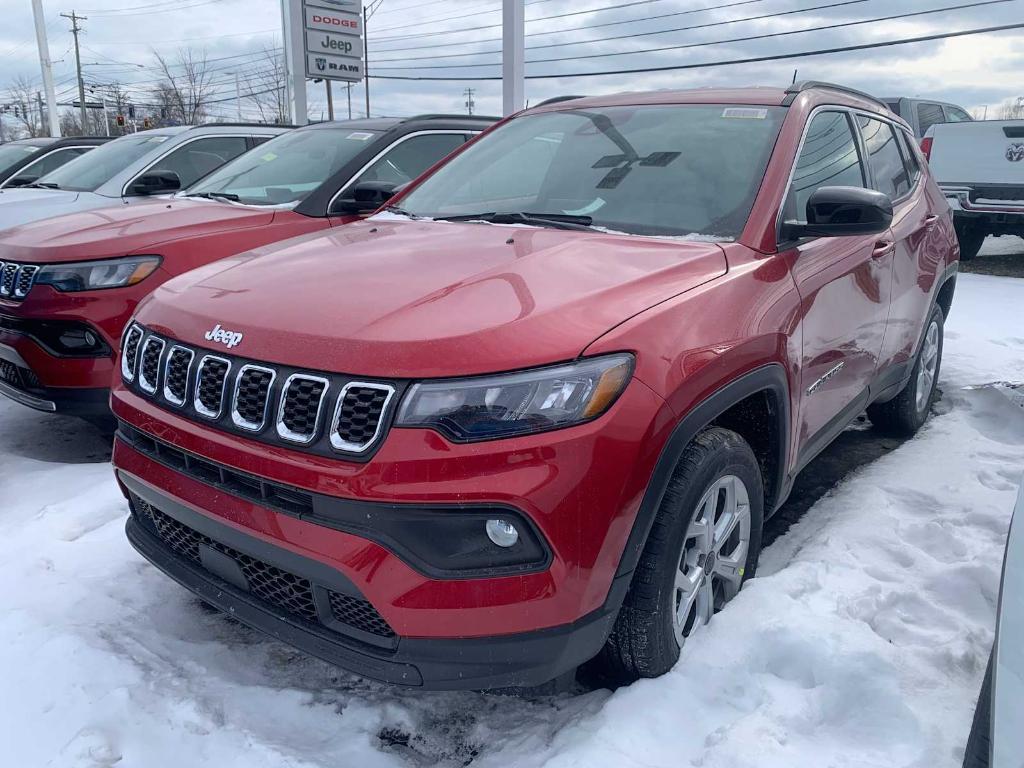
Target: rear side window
x=928 y=115
x=200 y=158
x=407 y=160
x=884 y=157
x=828 y=158
x=909 y=157
x=957 y=115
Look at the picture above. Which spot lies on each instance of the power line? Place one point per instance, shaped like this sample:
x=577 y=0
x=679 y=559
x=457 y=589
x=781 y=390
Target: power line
x=729 y=62
x=747 y=38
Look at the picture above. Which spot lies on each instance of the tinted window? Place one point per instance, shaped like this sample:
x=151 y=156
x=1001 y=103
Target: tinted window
x=828 y=158
x=200 y=158
x=884 y=157
x=405 y=161
x=12 y=154
x=88 y=172
x=289 y=167
x=52 y=161
x=957 y=115
x=928 y=115
x=909 y=157
x=685 y=170
x=894 y=106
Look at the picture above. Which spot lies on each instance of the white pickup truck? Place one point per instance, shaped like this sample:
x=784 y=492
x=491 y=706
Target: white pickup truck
x=980 y=168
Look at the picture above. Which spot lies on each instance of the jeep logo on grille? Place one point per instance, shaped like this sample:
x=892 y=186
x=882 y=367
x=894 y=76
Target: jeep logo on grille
x=230 y=339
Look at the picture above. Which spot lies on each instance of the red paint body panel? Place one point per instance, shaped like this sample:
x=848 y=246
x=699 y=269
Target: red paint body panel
x=185 y=233
x=402 y=299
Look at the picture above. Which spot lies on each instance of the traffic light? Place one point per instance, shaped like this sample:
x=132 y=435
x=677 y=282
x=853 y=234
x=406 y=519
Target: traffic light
x=120 y=121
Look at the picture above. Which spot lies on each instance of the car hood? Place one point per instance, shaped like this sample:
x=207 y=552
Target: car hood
x=124 y=230
x=409 y=299
x=22 y=206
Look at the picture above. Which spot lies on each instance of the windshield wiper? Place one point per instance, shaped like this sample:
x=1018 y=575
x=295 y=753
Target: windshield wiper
x=44 y=185
x=217 y=196
x=400 y=212
x=554 y=220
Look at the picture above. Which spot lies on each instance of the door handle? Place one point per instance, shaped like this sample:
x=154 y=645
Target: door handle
x=882 y=249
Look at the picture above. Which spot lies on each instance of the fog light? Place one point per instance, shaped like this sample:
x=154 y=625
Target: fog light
x=502 y=533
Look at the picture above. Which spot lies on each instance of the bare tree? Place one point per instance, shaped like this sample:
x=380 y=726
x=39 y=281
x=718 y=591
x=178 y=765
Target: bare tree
x=186 y=86
x=22 y=106
x=265 y=89
x=1012 y=109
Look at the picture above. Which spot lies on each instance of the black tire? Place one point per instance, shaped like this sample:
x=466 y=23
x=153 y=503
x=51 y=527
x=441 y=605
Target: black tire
x=971 y=239
x=643 y=641
x=979 y=743
x=905 y=413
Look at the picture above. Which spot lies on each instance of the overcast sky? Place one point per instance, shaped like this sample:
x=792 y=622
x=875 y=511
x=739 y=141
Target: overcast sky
x=405 y=35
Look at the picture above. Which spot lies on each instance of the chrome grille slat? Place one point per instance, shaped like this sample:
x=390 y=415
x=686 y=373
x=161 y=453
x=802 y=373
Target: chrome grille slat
x=176 y=373
x=251 y=401
x=130 y=352
x=23 y=284
x=149 y=364
x=302 y=401
x=211 y=383
x=359 y=415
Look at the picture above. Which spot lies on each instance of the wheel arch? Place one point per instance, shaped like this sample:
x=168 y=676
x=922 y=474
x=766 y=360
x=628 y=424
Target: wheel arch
x=768 y=382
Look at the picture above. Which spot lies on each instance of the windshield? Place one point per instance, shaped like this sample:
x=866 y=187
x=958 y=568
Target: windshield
x=93 y=169
x=690 y=170
x=286 y=169
x=12 y=154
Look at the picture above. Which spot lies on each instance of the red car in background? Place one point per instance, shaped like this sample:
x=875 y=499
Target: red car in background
x=69 y=284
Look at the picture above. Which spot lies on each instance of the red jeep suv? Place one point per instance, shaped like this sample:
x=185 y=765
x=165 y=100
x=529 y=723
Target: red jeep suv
x=69 y=284
x=537 y=410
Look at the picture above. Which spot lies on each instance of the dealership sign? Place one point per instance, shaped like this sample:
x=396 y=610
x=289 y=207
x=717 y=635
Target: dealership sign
x=333 y=37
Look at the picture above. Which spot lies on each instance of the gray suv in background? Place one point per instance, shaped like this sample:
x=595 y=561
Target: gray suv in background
x=133 y=167
x=922 y=114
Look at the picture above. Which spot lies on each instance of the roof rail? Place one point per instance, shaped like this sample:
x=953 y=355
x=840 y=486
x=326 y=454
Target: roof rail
x=806 y=85
x=558 y=100
x=443 y=116
x=240 y=125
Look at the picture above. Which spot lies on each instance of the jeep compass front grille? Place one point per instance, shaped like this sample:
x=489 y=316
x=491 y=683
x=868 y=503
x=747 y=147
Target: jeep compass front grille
x=274 y=586
x=16 y=280
x=316 y=412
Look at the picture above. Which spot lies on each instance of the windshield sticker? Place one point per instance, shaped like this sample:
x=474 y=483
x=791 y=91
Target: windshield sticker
x=594 y=207
x=745 y=113
x=157 y=139
x=32 y=150
x=360 y=136
x=269 y=157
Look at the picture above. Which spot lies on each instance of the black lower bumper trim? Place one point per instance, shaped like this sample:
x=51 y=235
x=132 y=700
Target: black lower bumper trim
x=505 y=661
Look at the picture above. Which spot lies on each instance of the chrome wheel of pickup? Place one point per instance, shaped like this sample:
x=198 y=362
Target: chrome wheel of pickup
x=714 y=555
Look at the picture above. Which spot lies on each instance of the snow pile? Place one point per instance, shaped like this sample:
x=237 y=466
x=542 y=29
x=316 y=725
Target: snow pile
x=862 y=642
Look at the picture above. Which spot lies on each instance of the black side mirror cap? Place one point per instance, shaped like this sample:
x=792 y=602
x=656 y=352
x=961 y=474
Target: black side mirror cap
x=842 y=212
x=155 y=183
x=367 y=196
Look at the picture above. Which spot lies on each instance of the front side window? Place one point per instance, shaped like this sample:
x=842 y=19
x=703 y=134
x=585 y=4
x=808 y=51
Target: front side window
x=929 y=115
x=884 y=158
x=198 y=159
x=828 y=158
x=410 y=158
x=678 y=170
x=288 y=168
x=94 y=169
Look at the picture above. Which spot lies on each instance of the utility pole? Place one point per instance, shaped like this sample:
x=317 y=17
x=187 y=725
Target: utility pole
x=75 y=30
x=330 y=101
x=513 y=55
x=366 y=58
x=238 y=96
x=469 y=100
x=349 y=89
x=42 y=114
x=47 y=69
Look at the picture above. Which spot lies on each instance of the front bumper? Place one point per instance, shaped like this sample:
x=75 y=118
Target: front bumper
x=20 y=382
x=517 y=660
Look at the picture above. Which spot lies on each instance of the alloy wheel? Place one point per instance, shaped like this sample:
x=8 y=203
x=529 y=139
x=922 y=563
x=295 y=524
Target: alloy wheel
x=929 y=365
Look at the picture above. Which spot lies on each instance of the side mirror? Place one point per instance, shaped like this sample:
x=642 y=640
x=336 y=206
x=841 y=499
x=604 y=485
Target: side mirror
x=155 y=183
x=367 y=196
x=842 y=212
x=22 y=181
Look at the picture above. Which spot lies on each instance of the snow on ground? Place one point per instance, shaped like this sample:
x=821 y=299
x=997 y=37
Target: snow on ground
x=861 y=643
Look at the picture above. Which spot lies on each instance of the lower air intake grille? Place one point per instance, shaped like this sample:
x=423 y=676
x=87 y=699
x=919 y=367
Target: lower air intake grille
x=274 y=586
x=19 y=378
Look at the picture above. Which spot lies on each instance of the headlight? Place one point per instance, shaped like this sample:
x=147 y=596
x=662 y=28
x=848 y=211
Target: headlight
x=95 y=275
x=489 y=407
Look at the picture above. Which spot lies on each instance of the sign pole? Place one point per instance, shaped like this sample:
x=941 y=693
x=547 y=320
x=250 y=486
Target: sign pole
x=295 y=58
x=513 y=55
